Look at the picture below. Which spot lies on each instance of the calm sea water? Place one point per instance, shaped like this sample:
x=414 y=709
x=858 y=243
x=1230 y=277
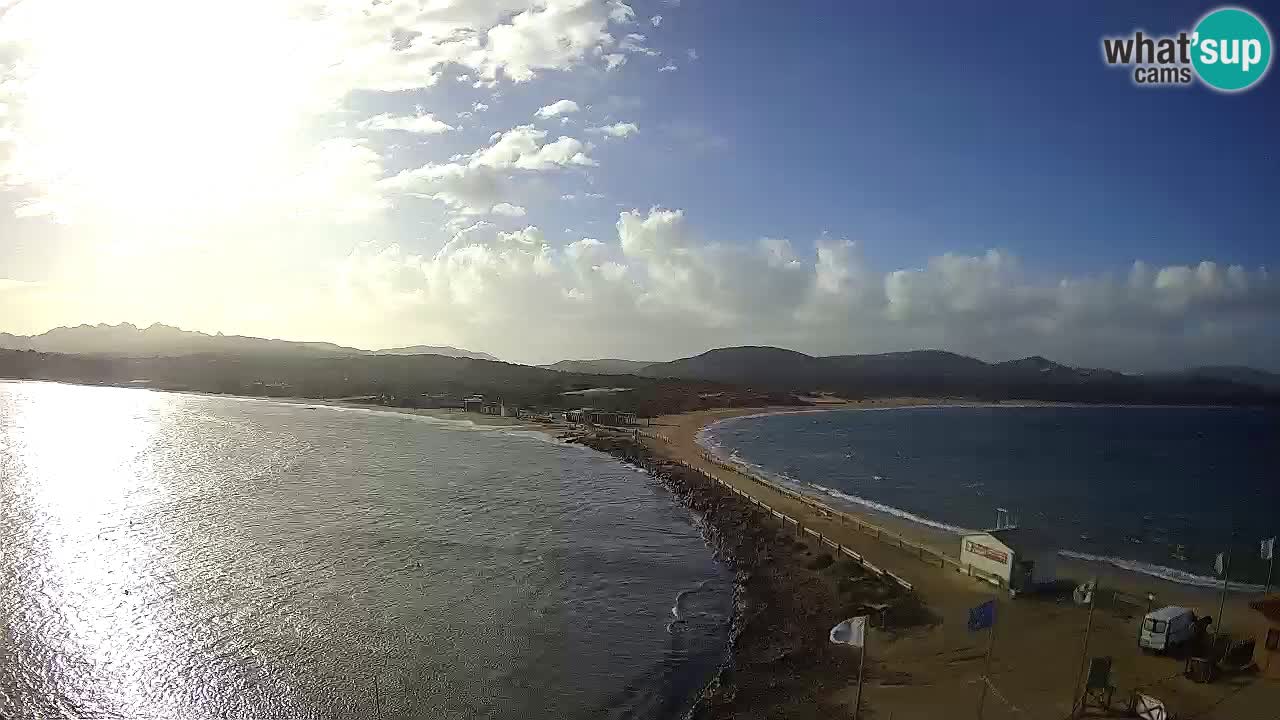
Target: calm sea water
x=166 y=555
x=1124 y=484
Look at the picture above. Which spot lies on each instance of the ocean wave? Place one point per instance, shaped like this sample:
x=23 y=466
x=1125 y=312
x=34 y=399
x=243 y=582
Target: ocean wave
x=890 y=510
x=1173 y=575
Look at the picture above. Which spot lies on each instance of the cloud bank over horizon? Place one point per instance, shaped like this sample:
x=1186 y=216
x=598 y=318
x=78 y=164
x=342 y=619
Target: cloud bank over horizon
x=653 y=288
x=471 y=174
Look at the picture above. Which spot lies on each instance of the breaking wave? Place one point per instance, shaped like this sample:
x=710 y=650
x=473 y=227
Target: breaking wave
x=1173 y=575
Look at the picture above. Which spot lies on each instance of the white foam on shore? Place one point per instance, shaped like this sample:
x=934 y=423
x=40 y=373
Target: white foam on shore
x=890 y=510
x=1173 y=575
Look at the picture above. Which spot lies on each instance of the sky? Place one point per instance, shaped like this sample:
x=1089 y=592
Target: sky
x=645 y=179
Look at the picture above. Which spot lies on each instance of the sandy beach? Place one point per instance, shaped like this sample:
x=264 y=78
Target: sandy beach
x=934 y=671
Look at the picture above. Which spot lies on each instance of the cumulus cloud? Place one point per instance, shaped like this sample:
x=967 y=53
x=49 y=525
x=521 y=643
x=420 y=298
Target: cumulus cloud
x=669 y=67
x=559 y=107
x=692 y=53
x=656 y=286
x=635 y=43
x=472 y=183
x=613 y=61
x=424 y=123
x=656 y=20
x=618 y=129
x=508 y=209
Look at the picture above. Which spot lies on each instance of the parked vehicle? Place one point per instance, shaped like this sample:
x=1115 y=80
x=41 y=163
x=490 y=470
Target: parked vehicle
x=1167 y=629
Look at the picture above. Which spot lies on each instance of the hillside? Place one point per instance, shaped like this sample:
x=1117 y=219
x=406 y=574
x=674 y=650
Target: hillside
x=401 y=380
x=164 y=340
x=932 y=373
x=605 y=366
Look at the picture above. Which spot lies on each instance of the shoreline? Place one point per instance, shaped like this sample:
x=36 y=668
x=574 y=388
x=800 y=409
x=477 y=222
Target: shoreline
x=942 y=536
x=937 y=668
x=779 y=661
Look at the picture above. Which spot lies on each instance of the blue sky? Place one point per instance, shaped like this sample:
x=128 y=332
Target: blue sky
x=838 y=177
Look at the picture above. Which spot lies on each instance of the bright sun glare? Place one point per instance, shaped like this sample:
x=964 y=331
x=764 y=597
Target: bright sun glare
x=153 y=109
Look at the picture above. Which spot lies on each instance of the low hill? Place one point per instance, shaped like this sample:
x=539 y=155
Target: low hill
x=744 y=365
x=127 y=339
x=604 y=366
x=446 y=350
x=399 y=380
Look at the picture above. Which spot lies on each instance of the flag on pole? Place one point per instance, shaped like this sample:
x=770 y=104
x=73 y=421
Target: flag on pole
x=851 y=632
x=1268 y=548
x=983 y=616
x=1218 y=564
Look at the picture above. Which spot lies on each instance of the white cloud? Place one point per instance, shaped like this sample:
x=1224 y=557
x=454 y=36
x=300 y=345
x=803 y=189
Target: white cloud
x=613 y=61
x=669 y=67
x=424 y=124
x=521 y=147
x=508 y=209
x=692 y=53
x=472 y=183
x=617 y=130
x=656 y=20
x=559 y=107
x=635 y=43
x=620 y=12
x=479 y=107
x=657 y=287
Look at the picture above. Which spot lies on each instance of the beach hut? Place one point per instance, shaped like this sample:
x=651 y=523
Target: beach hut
x=1019 y=558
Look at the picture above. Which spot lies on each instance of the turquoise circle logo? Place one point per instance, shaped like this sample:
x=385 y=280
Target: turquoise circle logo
x=1232 y=49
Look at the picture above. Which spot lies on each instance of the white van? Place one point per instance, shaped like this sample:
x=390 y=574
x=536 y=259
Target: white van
x=1167 y=628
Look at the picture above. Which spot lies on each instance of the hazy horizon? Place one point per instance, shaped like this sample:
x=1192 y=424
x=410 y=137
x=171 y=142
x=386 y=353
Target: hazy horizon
x=596 y=178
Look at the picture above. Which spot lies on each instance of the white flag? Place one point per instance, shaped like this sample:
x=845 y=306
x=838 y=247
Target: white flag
x=1217 y=564
x=1268 y=548
x=851 y=632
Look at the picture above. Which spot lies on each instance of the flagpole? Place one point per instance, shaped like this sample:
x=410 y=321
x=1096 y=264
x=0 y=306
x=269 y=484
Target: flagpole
x=1084 y=649
x=1271 y=551
x=986 y=671
x=862 y=661
x=1222 y=602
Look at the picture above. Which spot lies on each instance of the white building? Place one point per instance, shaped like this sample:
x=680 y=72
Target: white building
x=1020 y=558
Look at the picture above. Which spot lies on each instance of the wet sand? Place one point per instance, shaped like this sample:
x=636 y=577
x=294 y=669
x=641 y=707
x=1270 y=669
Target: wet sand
x=934 y=671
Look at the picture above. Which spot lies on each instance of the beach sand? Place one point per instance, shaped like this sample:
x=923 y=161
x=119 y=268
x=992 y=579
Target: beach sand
x=935 y=672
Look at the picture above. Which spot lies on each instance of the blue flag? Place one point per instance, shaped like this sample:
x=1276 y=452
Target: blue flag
x=983 y=616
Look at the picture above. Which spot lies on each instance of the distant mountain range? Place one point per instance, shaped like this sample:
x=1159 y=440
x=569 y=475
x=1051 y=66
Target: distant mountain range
x=167 y=341
x=937 y=372
x=765 y=371
x=607 y=366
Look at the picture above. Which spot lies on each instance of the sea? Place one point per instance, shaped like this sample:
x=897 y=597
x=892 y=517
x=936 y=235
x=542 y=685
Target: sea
x=169 y=555
x=1159 y=491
